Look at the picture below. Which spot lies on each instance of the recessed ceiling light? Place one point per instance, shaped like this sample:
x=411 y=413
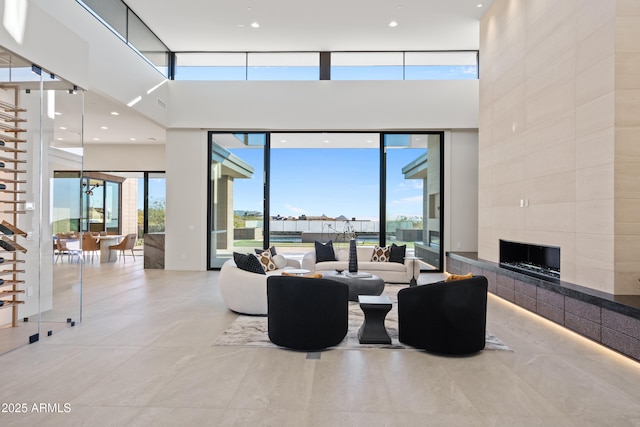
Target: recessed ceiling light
x=326 y=140
x=283 y=140
x=62 y=128
x=132 y=139
x=479 y=4
x=60 y=139
x=393 y=24
x=104 y=127
x=115 y=113
x=96 y=139
x=57 y=113
x=255 y=25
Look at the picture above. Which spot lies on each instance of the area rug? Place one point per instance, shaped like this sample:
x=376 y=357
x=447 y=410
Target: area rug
x=252 y=330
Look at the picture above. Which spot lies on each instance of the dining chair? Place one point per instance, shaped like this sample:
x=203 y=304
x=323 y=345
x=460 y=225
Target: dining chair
x=126 y=244
x=89 y=244
x=63 y=249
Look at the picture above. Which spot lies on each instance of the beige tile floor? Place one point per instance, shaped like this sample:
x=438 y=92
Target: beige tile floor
x=143 y=356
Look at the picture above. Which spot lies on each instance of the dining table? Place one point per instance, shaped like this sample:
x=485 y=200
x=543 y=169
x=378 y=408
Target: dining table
x=105 y=241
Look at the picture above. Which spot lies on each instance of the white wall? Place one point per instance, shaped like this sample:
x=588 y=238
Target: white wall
x=124 y=157
x=186 y=217
x=461 y=191
x=36 y=36
x=324 y=105
x=63 y=38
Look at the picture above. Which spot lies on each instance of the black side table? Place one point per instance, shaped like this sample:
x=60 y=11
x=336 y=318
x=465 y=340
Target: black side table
x=375 y=309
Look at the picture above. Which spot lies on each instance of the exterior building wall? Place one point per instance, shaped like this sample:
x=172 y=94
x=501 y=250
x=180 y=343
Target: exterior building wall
x=129 y=207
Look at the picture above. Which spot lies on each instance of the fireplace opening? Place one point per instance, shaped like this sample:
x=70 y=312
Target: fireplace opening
x=534 y=260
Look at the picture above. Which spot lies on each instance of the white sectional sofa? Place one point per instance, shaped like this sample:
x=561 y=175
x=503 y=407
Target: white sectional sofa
x=390 y=272
x=245 y=292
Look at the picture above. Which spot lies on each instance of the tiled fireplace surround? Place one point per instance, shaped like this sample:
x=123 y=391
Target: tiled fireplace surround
x=613 y=321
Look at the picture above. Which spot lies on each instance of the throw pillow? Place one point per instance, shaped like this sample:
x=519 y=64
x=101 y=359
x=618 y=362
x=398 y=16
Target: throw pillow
x=280 y=261
x=453 y=277
x=248 y=262
x=381 y=254
x=266 y=261
x=272 y=249
x=397 y=253
x=324 y=252
x=308 y=276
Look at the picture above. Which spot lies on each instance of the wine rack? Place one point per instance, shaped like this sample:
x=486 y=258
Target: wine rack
x=12 y=203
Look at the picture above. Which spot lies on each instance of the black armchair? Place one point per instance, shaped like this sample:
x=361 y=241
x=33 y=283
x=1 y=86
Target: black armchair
x=447 y=318
x=305 y=313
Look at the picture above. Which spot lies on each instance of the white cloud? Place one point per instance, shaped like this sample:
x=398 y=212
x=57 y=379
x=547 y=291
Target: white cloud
x=407 y=200
x=409 y=184
x=294 y=209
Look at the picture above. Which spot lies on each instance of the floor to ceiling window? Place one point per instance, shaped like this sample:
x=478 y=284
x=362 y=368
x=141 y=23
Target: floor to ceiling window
x=318 y=186
x=152 y=204
x=413 y=194
x=236 y=194
x=321 y=186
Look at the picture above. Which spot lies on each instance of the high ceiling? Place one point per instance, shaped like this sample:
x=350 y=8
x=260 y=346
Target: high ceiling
x=284 y=25
x=298 y=25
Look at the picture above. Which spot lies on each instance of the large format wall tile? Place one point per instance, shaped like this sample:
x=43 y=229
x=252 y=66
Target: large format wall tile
x=596 y=148
x=595 y=183
x=559 y=131
x=596 y=81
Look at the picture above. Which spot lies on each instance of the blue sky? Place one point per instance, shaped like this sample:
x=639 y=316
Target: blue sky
x=157 y=190
x=330 y=181
x=393 y=72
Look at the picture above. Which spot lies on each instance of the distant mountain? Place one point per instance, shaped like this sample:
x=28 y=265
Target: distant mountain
x=247 y=213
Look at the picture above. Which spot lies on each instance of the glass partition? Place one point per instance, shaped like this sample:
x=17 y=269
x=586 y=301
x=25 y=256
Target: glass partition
x=61 y=299
x=38 y=299
x=142 y=39
x=113 y=13
x=125 y=24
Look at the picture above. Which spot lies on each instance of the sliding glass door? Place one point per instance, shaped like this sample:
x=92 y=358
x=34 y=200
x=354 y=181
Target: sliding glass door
x=236 y=194
x=413 y=195
x=290 y=189
x=321 y=186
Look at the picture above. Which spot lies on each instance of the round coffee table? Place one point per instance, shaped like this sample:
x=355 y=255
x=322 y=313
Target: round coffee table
x=372 y=285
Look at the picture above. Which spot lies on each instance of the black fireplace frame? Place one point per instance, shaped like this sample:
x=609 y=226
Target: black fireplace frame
x=535 y=260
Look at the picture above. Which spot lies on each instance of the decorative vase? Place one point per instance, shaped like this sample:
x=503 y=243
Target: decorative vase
x=353 y=256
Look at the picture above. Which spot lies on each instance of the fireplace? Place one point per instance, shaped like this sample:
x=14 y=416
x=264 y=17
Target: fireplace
x=533 y=260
